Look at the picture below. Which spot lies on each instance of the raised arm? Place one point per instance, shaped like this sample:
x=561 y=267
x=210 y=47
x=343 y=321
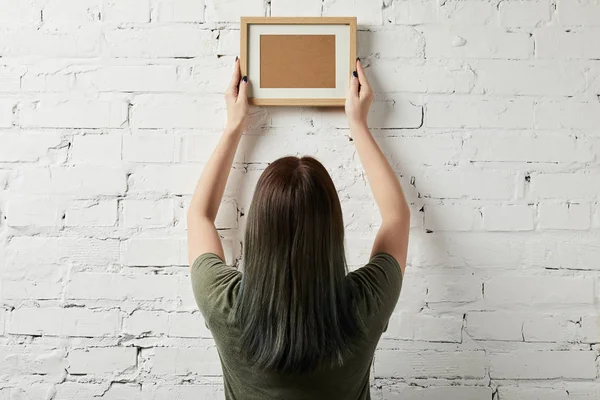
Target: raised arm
x=392 y=237
x=202 y=233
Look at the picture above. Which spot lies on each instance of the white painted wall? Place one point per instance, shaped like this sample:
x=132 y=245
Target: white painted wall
x=487 y=110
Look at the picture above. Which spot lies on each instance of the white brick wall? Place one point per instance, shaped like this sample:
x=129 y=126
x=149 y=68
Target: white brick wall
x=487 y=109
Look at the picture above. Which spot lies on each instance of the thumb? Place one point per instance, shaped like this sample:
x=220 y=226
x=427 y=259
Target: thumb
x=243 y=92
x=354 y=84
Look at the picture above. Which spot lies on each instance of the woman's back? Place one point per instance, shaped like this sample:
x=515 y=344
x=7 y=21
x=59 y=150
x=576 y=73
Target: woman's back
x=373 y=291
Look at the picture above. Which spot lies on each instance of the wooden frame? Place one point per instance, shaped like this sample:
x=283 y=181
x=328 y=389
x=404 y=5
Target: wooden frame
x=246 y=21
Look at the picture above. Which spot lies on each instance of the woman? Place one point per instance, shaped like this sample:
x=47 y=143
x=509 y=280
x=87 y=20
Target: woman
x=294 y=324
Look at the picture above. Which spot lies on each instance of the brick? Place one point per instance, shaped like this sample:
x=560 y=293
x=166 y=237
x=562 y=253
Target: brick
x=393 y=112
x=590 y=329
x=155 y=252
x=263 y=149
x=494 y=325
x=582 y=185
x=6 y=113
x=101 y=360
x=436 y=392
x=147 y=213
x=565 y=251
x=61 y=250
x=149 y=148
x=524 y=13
x=91 y=213
x=549 y=328
x=147 y=78
x=508 y=218
x=467 y=183
x=476 y=42
x=567 y=44
x=423 y=76
x=27 y=146
x=543 y=365
x=33 y=211
x=173 y=180
x=115 y=391
x=466 y=12
x=525 y=146
x=62 y=322
x=55 y=113
x=498 y=77
x=452 y=364
x=368 y=12
x=46 y=41
x=183 y=361
x=172 y=111
x=72 y=11
x=451 y=288
x=231 y=11
x=429 y=328
x=533 y=393
x=229 y=45
x=449 y=217
x=10 y=77
x=19 y=13
x=564 y=216
x=122 y=11
x=182 y=392
x=291 y=8
x=492 y=113
x=2 y=319
x=199 y=148
x=401 y=42
x=96 y=149
x=537 y=290
x=566 y=114
x=83 y=180
x=154 y=323
x=118 y=287
x=179 y=10
x=164 y=42
x=32 y=360
x=412 y=12
x=578 y=13
x=427 y=150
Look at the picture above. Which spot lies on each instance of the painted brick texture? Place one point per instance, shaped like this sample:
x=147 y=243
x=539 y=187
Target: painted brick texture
x=488 y=111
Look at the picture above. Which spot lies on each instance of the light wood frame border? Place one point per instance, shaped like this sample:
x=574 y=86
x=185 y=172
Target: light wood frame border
x=245 y=21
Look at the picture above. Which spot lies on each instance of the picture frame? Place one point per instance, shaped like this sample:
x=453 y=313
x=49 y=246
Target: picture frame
x=298 y=61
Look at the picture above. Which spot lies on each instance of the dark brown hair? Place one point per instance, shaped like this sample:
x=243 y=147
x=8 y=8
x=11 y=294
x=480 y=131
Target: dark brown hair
x=293 y=307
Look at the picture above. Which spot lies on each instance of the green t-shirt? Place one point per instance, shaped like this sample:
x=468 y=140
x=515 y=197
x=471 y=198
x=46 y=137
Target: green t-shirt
x=376 y=288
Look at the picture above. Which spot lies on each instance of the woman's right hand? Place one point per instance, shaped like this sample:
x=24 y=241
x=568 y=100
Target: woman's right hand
x=360 y=97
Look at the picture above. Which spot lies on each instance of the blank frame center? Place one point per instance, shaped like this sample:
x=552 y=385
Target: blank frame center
x=297 y=61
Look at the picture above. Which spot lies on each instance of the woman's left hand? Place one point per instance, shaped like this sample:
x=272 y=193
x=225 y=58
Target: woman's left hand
x=236 y=99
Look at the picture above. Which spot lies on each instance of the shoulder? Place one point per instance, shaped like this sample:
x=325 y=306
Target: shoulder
x=376 y=286
x=215 y=285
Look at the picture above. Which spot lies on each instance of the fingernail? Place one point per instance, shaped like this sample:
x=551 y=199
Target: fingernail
x=245 y=78
x=354 y=74
x=236 y=58
x=357 y=58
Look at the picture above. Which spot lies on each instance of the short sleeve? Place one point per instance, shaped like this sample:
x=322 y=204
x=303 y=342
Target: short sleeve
x=377 y=288
x=215 y=286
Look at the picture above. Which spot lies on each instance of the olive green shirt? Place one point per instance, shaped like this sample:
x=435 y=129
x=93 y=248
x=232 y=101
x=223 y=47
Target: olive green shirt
x=375 y=289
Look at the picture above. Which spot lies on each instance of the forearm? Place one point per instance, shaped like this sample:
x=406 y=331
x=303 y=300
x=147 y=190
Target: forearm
x=384 y=184
x=211 y=185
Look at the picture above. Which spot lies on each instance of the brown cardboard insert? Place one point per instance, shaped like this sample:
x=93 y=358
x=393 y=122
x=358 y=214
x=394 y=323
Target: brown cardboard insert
x=297 y=61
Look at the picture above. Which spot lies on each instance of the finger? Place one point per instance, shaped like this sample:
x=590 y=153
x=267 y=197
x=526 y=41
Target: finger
x=243 y=93
x=235 y=79
x=354 y=85
x=362 y=78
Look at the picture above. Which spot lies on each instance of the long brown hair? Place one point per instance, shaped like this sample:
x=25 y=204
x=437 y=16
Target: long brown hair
x=293 y=309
